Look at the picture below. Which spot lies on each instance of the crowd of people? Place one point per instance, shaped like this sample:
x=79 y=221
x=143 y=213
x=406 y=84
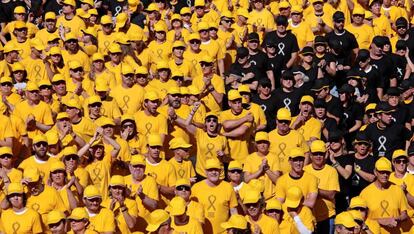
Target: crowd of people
x=206 y=116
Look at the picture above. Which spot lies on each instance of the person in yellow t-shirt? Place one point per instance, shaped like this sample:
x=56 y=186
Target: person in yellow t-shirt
x=100 y=74
x=194 y=208
x=258 y=114
x=274 y=210
x=79 y=82
x=159 y=221
x=73 y=52
x=260 y=19
x=124 y=208
x=259 y=222
x=301 y=29
x=297 y=217
x=160 y=48
x=42 y=199
x=34 y=63
x=79 y=222
x=164 y=81
x=128 y=96
x=82 y=126
x=11 y=55
x=8 y=173
x=49 y=28
x=386 y=201
x=21 y=40
x=298 y=177
x=328 y=185
x=19 y=14
x=283 y=139
x=359 y=204
x=263 y=165
x=69 y=21
x=56 y=221
x=237 y=124
x=101 y=219
x=319 y=18
x=362 y=32
x=345 y=223
x=181 y=221
x=163 y=172
x=62 y=185
x=143 y=188
x=217 y=197
x=305 y=123
x=236 y=222
x=19 y=218
x=183 y=167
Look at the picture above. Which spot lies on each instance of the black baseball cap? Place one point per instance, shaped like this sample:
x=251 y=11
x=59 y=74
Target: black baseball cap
x=346 y=88
x=320 y=84
x=393 y=91
x=338 y=16
x=242 y=52
x=379 y=41
x=307 y=50
x=410 y=150
x=335 y=136
x=383 y=107
x=319 y=40
x=401 y=22
x=361 y=137
x=281 y=20
x=287 y=75
x=253 y=37
x=319 y=103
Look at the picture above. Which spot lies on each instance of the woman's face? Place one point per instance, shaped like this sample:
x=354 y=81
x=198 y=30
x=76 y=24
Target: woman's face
x=18 y=76
x=58 y=177
x=16 y=200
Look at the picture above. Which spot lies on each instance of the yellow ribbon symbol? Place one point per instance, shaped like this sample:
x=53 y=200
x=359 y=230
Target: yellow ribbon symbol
x=159 y=52
x=37 y=71
x=301 y=130
x=97 y=171
x=259 y=22
x=148 y=127
x=211 y=200
x=106 y=45
x=15 y=227
x=282 y=147
x=126 y=101
x=35 y=206
x=181 y=173
x=210 y=147
x=194 y=62
x=384 y=205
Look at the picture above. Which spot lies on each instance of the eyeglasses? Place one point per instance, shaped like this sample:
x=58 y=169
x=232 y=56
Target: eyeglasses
x=44 y=144
x=235 y=171
x=78 y=70
x=6 y=156
x=401 y=27
x=203 y=31
x=292 y=14
x=371 y=115
x=21 y=29
x=108 y=126
x=71 y=157
x=400 y=161
x=7 y=84
x=214 y=120
x=186 y=15
x=18 y=71
x=176 y=95
x=183 y=188
x=107 y=25
x=138 y=166
x=163 y=70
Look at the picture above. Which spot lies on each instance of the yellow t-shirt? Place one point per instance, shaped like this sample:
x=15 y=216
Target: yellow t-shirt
x=308 y=183
x=80 y=56
x=27 y=221
x=281 y=146
x=147 y=125
x=164 y=174
x=408 y=180
x=24 y=47
x=252 y=165
x=327 y=180
x=192 y=227
x=119 y=217
x=75 y=25
x=217 y=202
x=85 y=128
x=238 y=146
x=382 y=26
x=104 y=221
x=363 y=34
x=42 y=166
x=183 y=170
x=288 y=225
x=303 y=33
x=104 y=41
x=213 y=49
x=209 y=101
x=311 y=128
x=160 y=51
x=160 y=87
x=266 y=224
x=35 y=68
x=99 y=172
x=32 y=29
x=262 y=18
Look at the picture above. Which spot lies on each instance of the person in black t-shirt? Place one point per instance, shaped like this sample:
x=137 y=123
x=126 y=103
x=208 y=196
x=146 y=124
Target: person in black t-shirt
x=386 y=135
x=401 y=114
x=266 y=99
x=287 y=95
x=382 y=62
x=257 y=58
x=322 y=91
x=287 y=44
x=324 y=59
x=308 y=67
x=275 y=65
x=242 y=71
x=328 y=124
x=364 y=165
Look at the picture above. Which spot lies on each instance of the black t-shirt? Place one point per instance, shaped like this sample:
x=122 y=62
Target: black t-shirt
x=238 y=70
x=334 y=107
x=114 y=6
x=410 y=43
x=259 y=62
x=288 y=100
x=6 y=10
x=330 y=125
x=358 y=183
x=347 y=41
x=329 y=58
x=385 y=141
x=311 y=73
x=285 y=46
x=277 y=66
x=269 y=107
x=353 y=112
x=373 y=81
x=400 y=63
x=386 y=69
x=138 y=19
x=401 y=115
x=344 y=160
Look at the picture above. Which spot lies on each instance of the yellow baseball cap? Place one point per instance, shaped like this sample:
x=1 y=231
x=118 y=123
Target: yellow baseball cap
x=31 y=174
x=283 y=114
x=383 y=164
x=44 y=82
x=70 y=36
x=6 y=79
x=183 y=182
x=58 y=77
x=89 y=2
x=39 y=138
x=368 y=15
x=55 y=50
x=184 y=91
x=57 y=166
x=152 y=7
x=78 y=213
x=185 y=10
x=114 y=48
x=117 y=180
x=70 y=150
x=50 y=15
x=52 y=137
x=243 y=12
x=296 y=152
x=318 y=146
x=244 y=89
x=346 y=219
x=399 y=153
x=199 y=3
x=32 y=86
x=194 y=36
x=251 y=196
x=156 y=218
x=15 y=188
x=257 y=185
x=174 y=90
x=294 y=196
x=202 y=26
x=176 y=17
x=52 y=37
x=370 y=107
x=74 y=64
x=193 y=90
x=261 y=136
x=104 y=121
x=235 y=221
x=154 y=140
x=9 y=47
x=357 y=202
x=135 y=37
x=273 y=204
x=121 y=19
x=177 y=206
x=152 y=96
x=19 y=10
x=91 y=191
x=126 y=69
x=6 y=151
x=97 y=57
x=73 y=103
x=37 y=44
x=127 y=117
x=138 y=159
x=93 y=11
x=307 y=98
x=162 y=65
x=233 y=95
x=213 y=163
x=94 y=99
x=284 y=4
x=296 y=9
x=141 y=70
x=235 y=165
x=20 y=25
x=179 y=142
x=17 y=66
x=106 y=19
x=226 y=14
x=178 y=44
x=358 y=11
x=160 y=27
x=356 y=215
x=69 y=2
x=90 y=31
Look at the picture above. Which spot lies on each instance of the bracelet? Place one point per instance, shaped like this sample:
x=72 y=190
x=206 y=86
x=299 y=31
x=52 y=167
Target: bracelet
x=123 y=208
x=335 y=165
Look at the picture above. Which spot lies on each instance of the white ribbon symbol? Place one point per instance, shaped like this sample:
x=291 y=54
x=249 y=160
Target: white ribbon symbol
x=382 y=140
x=189 y=3
x=399 y=71
x=281 y=46
x=264 y=107
x=118 y=10
x=287 y=102
x=346 y=115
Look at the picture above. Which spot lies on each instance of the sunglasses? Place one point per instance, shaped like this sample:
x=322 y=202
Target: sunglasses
x=298 y=159
x=7 y=84
x=249 y=205
x=96 y=199
x=94 y=105
x=213 y=29
x=357 y=15
x=371 y=115
x=360 y=208
x=214 y=120
x=108 y=126
x=45 y=87
x=274 y=211
x=203 y=31
x=117 y=187
x=186 y=15
x=129 y=76
x=54 y=225
x=318 y=154
x=128 y=126
x=287 y=122
x=203 y=64
x=292 y=14
x=138 y=166
x=78 y=70
x=400 y=161
x=181 y=78
x=183 y=188
x=139 y=76
x=21 y=29
x=71 y=157
x=195 y=42
x=6 y=156
x=18 y=71
x=228 y=21
x=235 y=171
x=44 y=144
x=72 y=41
x=199 y=7
x=59 y=82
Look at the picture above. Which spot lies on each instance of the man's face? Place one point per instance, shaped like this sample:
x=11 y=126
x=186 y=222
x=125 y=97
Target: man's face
x=297 y=164
x=213 y=175
x=283 y=125
x=318 y=158
x=183 y=191
x=40 y=149
x=154 y=151
x=174 y=100
x=400 y=164
x=253 y=209
x=393 y=100
x=362 y=148
x=253 y=44
x=339 y=25
x=386 y=118
x=382 y=176
x=93 y=204
x=306 y=108
x=320 y=112
x=236 y=106
x=95 y=109
x=137 y=171
x=152 y=105
x=358 y=19
x=128 y=79
x=50 y=24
